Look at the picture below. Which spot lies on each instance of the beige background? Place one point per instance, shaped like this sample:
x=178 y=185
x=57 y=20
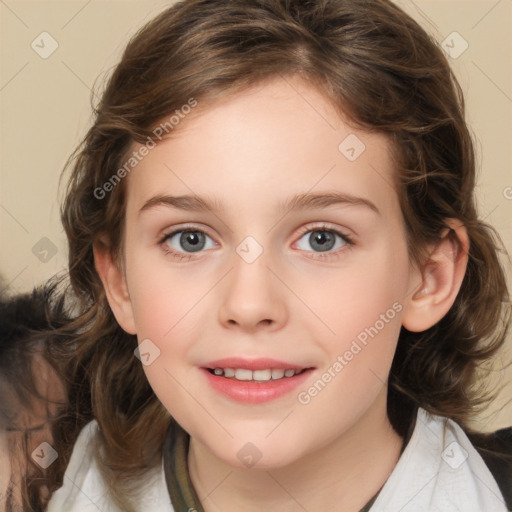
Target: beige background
x=45 y=109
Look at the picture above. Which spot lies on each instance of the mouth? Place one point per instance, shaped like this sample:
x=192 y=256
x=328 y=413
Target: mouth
x=266 y=375
x=255 y=381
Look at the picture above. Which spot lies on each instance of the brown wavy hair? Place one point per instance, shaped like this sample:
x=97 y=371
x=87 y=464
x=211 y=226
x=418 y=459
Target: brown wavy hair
x=379 y=69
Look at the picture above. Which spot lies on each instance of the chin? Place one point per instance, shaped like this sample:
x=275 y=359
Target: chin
x=256 y=455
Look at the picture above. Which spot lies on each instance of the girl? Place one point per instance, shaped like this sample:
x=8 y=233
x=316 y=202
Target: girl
x=285 y=288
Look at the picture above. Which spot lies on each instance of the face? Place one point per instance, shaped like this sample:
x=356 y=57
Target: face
x=274 y=268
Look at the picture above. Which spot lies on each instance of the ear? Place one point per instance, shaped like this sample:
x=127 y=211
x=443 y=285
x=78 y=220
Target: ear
x=440 y=278
x=114 y=283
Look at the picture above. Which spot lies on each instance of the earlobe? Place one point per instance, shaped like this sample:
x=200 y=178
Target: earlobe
x=440 y=277
x=114 y=284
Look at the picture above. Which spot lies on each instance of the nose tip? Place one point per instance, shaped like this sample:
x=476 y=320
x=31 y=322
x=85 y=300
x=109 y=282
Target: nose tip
x=251 y=299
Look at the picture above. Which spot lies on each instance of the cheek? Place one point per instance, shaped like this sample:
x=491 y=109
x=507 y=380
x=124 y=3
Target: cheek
x=167 y=307
x=349 y=299
x=161 y=294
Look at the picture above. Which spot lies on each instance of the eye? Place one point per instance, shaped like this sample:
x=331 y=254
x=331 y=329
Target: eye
x=183 y=243
x=323 y=239
x=186 y=241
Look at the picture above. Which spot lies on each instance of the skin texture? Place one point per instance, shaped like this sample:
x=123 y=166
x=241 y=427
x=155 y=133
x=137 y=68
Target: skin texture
x=251 y=152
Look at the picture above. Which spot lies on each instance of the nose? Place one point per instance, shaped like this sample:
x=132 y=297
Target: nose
x=253 y=299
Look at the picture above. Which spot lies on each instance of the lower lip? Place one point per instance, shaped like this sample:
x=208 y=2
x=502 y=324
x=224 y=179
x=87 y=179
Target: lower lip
x=251 y=392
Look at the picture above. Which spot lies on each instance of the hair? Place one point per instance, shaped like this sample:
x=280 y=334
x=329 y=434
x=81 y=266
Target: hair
x=381 y=71
x=28 y=344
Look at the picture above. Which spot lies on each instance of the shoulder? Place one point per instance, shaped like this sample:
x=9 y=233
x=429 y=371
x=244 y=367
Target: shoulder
x=440 y=471
x=84 y=489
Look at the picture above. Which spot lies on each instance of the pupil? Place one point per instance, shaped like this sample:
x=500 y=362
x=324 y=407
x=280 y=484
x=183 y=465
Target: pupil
x=323 y=240
x=193 y=240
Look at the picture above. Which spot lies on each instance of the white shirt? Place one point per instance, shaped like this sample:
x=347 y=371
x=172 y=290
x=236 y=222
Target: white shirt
x=439 y=471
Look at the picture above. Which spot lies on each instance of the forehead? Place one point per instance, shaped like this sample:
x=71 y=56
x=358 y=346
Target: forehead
x=261 y=146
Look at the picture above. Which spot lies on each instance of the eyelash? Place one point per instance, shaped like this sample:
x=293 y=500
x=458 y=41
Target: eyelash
x=319 y=256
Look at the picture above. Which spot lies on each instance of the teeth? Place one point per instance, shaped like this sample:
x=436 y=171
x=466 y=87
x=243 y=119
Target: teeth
x=256 y=375
x=262 y=374
x=277 y=374
x=243 y=375
x=228 y=372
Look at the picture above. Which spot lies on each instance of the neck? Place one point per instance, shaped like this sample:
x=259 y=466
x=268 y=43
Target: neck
x=343 y=475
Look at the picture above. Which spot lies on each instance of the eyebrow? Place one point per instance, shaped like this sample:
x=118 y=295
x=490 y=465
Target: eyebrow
x=297 y=202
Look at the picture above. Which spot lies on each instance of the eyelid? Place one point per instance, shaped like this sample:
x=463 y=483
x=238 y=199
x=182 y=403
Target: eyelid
x=324 y=226
x=318 y=226
x=171 y=232
x=185 y=227
x=303 y=230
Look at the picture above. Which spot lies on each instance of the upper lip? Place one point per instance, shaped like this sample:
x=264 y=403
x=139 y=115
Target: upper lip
x=252 y=364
